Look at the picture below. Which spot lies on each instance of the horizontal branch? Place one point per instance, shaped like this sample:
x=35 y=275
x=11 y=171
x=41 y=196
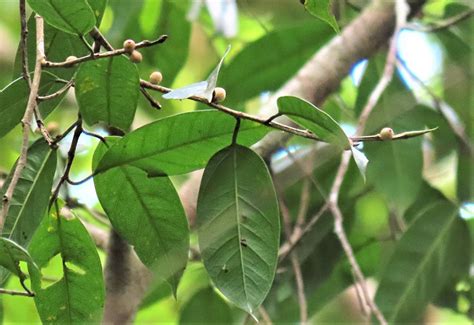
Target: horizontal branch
x=95 y=56
x=16 y=293
x=279 y=126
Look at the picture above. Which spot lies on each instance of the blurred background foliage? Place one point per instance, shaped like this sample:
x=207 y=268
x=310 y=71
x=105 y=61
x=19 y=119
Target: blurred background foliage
x=273 y=40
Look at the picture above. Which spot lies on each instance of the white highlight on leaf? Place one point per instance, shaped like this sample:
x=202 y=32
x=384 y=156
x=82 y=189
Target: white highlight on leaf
x=361 y=161
x=203 y=89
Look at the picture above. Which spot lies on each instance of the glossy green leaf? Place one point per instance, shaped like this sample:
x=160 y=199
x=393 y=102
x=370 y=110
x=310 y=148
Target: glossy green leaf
x=321 y=9
x=428 y=252
x=31 y=195
x=146 y=212
x=267 y=63
x=320 y=124
x=78 y=297
x=238 y=226
x=107 y=91
x=14 y=98
x=74 y=17
x=11 y=254
x=315 y=120
x=206 y=307
x=180 y=143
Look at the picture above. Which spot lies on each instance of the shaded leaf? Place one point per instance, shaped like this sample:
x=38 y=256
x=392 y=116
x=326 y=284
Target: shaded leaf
x=429 y=251
x=321 y=9
x=31 y=195
x=180 y=143
x=14 y=98
x=206 y=307
x=147 y=213
x=11 y=254
x=261 y=65
x=201 y=89
x=238 y=226
x=107 y=91
x=79 y=295
x=74 y=17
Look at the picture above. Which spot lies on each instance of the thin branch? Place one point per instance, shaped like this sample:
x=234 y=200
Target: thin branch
x=16 y=293
x=451 y=21
x=302 y=304
x=26 y=121
x=24 y=43
x=58 y=93
x=70 y=159
x=95 y=56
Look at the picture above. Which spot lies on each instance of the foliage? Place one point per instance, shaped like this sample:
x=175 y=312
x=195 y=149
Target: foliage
x=254 y=238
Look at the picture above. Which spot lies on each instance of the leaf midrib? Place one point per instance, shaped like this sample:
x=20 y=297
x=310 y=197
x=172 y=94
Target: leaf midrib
x=422 y=265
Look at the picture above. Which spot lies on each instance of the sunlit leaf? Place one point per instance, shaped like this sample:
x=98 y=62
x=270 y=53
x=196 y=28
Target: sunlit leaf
x=107 y=91
x=203 y=89
x=79 y=295
x=148 y=214
x=74 y=17
x=180 y=143
x=238 y=226
x=321 y=124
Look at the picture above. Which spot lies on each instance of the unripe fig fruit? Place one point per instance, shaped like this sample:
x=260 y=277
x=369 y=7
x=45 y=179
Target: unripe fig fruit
x=156 y=77
x=386 y=134
x=219 y=95
x=129 y=46
x=71 y=58
x=136 y=57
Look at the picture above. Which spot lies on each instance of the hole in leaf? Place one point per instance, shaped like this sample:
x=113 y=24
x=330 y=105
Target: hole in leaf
x=52 y=272
x=75 y=268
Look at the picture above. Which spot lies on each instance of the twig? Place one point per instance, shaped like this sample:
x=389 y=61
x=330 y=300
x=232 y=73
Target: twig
x=70 y=159
x=153 y=102
x=26 y=121
x=442 y=24
x=302 y=304
x=58 y=93
x=95 y=56
x=264 y=121
x=446 y=111
x=24 y=43
x=266 y=317
x=16 y=293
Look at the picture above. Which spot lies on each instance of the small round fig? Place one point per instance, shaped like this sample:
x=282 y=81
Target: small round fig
x=129 y=46
x=156 y=77
x=386 y=134
x=136 y=57
x=71 y=58
x=52 y=128
x=219 y=95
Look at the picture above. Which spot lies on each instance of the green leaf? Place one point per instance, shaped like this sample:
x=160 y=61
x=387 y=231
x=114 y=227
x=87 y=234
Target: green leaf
x=78 y=297
x=107 y=91
x=11 y=254
x=261 y=62
x=315 y=120
x=321 y=124
x=425 y=256
x=146 y=212
x=206 y=307
x=31 y=195
x=321 y=9
x=180 y=143
x=14 y=98
x=238 y=226
x=396 y=166
x=74 y=17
